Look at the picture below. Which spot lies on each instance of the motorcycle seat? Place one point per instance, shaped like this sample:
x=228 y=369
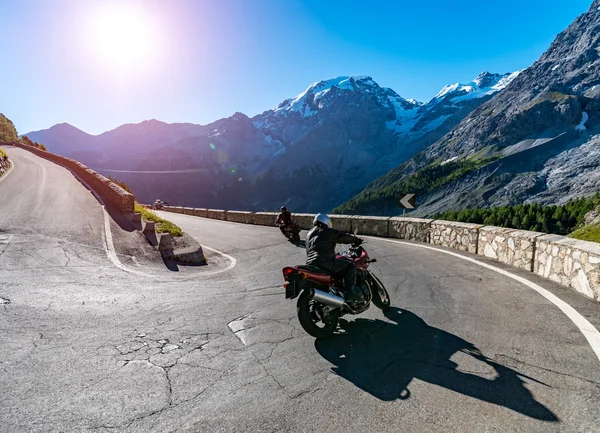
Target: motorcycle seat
x=312 y=268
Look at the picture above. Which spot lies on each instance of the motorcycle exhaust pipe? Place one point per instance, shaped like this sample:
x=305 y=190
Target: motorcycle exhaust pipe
x=327 y=298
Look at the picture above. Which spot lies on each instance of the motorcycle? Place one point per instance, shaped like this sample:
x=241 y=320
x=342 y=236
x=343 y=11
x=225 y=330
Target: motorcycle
x=292 y=232
x=321 y=300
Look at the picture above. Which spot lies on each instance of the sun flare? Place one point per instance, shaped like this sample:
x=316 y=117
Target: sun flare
x=121 y=36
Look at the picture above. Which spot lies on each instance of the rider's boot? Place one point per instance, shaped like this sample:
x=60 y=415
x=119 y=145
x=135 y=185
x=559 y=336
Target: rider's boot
x=354 y=296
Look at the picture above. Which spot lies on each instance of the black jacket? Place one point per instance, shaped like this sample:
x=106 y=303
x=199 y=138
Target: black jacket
x=321 y=241
x=284 y=218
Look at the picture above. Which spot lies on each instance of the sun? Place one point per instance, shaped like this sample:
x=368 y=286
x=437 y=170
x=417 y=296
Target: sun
x=121 y=36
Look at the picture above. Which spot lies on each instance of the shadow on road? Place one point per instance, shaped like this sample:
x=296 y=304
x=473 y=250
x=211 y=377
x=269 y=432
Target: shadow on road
x=382 y=358
x=301 y=244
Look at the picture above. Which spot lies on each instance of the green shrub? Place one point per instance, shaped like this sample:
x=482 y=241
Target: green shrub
x=588 y=233
x=162 y=225
x=560 y=220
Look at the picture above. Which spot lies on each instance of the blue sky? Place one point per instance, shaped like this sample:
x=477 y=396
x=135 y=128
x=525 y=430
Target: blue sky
x=98 y=64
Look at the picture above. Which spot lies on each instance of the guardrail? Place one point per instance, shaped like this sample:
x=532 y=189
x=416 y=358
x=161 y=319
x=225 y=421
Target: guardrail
x=108 y=190
x=566 y=261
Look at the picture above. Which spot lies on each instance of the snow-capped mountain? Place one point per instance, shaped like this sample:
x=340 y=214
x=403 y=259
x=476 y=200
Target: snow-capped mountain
x=485 y=84
x=536 y=140
x=312 y=151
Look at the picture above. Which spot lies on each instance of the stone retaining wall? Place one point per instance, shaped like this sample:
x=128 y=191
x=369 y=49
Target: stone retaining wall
x=240 y=217
x=412 y=229
x=216 y=214
x=342 y=222
x=510 y=246
x=370 y=225
x=569 y=262
x=460 y=236
x=174 y=209
x=305 y=220
x=109 y=191
x=265 y=218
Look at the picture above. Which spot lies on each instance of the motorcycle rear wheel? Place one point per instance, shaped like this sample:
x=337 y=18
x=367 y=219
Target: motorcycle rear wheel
x=308 y=315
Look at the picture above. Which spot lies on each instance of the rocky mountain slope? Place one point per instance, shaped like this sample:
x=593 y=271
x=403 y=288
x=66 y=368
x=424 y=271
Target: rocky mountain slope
x=312 y=151
x=533 y=141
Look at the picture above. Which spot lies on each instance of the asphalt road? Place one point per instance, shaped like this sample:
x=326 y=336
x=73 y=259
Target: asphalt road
x=90 y=347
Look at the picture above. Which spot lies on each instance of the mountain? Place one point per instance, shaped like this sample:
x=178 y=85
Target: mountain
x=311 y=152
x=535 y=140
x=8 y=132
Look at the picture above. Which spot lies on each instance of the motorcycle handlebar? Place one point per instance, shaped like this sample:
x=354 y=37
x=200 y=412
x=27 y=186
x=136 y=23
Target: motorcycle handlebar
x=357 y=242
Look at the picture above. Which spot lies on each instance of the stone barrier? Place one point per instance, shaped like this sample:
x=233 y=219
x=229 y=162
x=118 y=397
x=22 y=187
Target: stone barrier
x=370 y=225
x=265 y=218
x=305 y=220
x=460 y=236
x=569 y=262
x=109 y=191
x=216 y=214
x=240 y=217
x=342 y=223
x=411 y=229
x=200 y=212
x=510 y=246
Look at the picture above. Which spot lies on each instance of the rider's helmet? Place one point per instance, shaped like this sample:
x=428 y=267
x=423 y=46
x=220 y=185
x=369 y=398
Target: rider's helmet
x=322 y=220
x=283 y=208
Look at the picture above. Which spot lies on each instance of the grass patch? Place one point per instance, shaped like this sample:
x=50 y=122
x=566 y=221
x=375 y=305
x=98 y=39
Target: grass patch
x=2 y=152
x=589 y=233
x=548 y=96
x=162 y=225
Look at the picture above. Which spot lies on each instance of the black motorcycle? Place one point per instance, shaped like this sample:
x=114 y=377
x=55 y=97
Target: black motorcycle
x=292 y=232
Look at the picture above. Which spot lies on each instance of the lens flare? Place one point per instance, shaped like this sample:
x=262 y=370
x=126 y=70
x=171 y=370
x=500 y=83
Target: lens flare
x=212 y=146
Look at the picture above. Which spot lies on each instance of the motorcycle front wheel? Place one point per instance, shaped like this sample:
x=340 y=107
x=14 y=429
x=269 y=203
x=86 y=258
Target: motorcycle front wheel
x=313 y=319
x=381 y=298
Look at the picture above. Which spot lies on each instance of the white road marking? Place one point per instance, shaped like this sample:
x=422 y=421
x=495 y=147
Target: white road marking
x=587 y=329
x=227 y=256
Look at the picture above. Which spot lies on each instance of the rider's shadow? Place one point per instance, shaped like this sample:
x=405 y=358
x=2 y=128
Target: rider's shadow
x=382 y=358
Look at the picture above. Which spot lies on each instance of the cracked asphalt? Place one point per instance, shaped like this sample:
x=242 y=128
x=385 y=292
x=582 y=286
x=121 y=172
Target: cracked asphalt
x=89 y=347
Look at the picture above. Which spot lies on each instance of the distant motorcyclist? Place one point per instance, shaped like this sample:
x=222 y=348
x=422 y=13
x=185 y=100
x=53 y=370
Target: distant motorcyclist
x=284 y=219
x=320 y=252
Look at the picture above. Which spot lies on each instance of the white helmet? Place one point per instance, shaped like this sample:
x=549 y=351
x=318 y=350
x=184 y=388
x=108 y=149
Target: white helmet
x=323 y=219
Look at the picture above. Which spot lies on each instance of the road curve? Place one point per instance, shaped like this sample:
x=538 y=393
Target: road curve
x=90 y=348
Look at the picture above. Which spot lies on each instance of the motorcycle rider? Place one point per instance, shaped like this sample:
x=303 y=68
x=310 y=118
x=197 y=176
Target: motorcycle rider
x=320 y=252
x=284 y=219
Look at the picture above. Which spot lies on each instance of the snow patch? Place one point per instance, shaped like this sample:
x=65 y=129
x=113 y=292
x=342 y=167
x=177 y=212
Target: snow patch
x=318 y=91
x=555 y=67
x=584 y=118
x=436 y=122
x=449 y=160
x=473 y=89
